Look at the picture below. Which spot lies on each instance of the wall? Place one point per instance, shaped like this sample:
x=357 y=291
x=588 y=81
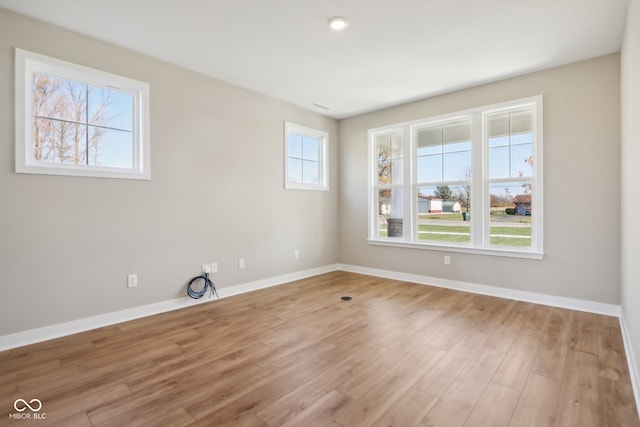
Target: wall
x=581 y=164
x=216 y=194
x=630 y=99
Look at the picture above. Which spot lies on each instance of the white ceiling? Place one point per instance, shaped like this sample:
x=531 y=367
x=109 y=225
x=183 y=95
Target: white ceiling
x=393 y=51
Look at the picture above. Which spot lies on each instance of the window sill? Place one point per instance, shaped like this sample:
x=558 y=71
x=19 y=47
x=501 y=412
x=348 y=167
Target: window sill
x=91 y=172
x=291 y=186
x=451 y=248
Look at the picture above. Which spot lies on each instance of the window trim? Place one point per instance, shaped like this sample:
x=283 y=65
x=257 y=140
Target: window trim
x=480 y=183
x=323 y=161
x=26 y=63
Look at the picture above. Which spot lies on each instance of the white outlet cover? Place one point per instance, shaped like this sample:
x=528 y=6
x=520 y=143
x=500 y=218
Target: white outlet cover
x=132 y=280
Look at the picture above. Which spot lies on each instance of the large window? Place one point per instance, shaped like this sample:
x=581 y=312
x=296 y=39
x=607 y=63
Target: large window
x=305 y=158
x=73 y=120
x=470 y=181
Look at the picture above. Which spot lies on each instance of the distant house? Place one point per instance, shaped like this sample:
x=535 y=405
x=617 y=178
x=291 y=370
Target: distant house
x=451 y=206
x=523 y=204
x=429 y=204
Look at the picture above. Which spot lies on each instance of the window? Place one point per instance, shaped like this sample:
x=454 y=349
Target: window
x=469 y=181
x=73 y=120
x=305 y=158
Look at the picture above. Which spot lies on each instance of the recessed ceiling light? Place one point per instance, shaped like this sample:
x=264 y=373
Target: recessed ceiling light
x=338 y=23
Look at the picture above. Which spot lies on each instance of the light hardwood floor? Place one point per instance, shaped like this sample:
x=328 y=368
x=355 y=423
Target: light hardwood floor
x=397 y=354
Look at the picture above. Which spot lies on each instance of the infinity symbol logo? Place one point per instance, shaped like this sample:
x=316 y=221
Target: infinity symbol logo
x=27 y=405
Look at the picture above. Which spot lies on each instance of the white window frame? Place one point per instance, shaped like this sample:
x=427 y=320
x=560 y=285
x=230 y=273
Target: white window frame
x=28 y=63
x=323 y=162
x=480 y=221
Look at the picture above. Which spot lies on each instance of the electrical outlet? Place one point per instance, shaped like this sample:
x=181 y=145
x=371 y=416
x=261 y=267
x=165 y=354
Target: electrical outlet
x=206 y=268
x=241 y=263
x=132 y=280
x=447 y=260
x=214 y=267
x=296 y=254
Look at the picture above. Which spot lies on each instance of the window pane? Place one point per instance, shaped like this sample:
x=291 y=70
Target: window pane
x=499 y=162
x=397 y=148
x=443 y=152
x=511 y=144
x=498 y=141
x=521 y=122
x=54 y=97
x=522 y=160
x=309 y=172
x=457 y=166
x=64 y=139
x=110 y=108
x=454 y=147
x=443 y=213
x=390 y=172
x=295 y=145
x=389 y=159
x=429 y=168
x=429 y=141
x=310 y=148
x=113 y=148
x=499 y=128
x=390 y=212
x=294 y=170
x=522 y=138
x=510 y=214
x=459 y=131
x=59 y=141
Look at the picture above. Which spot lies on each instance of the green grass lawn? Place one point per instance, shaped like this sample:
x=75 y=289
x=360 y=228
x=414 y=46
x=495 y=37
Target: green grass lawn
x=496 y=215
x=506 y=241
x=449 y=228
x=503 y=239
x=511 y=231
x=458 y=238
x=444 y=216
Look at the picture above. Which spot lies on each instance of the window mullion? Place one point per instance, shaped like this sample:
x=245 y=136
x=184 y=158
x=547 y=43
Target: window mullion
x=537 y=234
x=409 y=228
x=86 y=117
x=479 y=217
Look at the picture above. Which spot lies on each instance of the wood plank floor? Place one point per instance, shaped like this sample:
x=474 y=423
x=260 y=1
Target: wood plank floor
x=397 y=354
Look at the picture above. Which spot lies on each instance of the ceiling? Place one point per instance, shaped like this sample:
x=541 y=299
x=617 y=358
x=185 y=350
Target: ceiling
x=392 y=52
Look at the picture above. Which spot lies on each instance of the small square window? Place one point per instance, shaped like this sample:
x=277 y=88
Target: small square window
x=305 y=158
x=74 y=120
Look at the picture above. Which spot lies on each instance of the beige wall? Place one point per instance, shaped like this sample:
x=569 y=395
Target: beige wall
x=216 y=194
x=581 y=193
x=630 y=93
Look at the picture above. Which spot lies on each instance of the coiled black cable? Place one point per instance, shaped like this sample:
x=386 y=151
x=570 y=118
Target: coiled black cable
x=208 y=284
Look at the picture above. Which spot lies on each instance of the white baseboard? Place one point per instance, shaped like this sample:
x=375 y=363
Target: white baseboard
x=20 y=339
x=544 y=299
x=32 y=336
x=631 y=360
